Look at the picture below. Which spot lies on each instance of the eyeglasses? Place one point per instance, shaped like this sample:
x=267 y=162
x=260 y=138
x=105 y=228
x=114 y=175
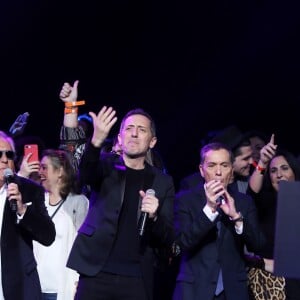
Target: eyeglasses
x=9 y=154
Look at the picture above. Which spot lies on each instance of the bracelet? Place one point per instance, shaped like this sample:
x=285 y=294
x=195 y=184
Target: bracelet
x=238 y=219
x=74 y=103
x=260 y=169
x=73 y=110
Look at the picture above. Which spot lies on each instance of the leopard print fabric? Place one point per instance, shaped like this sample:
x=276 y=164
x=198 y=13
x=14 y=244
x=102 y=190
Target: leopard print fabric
x=264 y=286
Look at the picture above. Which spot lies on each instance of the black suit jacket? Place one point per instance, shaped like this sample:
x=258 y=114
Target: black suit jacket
x=20 y=279
x=203 y=253
x=190 y=181
x=95 y=239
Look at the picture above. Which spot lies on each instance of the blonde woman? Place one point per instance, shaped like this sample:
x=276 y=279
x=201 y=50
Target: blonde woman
x=68 y=209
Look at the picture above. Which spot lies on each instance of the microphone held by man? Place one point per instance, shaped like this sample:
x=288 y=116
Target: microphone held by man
x=147 y=204
x=9 y=178
x=220 y=200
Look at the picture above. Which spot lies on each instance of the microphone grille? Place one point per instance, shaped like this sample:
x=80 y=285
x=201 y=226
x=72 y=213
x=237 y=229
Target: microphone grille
x=150 y=192
x=8 y=172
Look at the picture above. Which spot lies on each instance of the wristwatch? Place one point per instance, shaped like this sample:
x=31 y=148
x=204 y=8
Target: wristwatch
x=238 y=219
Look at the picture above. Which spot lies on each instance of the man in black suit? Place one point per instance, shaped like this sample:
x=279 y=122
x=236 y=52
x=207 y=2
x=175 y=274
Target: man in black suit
x=114 y=258
x=20 y=225
x=213 y=224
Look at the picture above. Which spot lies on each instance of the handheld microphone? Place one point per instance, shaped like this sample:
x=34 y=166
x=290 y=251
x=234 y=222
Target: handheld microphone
x=220 y=200
x=144 y=215
x=9 y=178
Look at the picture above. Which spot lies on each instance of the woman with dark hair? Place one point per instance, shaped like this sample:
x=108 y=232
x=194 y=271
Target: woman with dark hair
x=275 y=165
x=67 y=209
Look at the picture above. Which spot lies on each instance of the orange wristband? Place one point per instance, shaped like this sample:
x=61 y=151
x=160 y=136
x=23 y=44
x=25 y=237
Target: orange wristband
x=74 y=103
x=71 y=110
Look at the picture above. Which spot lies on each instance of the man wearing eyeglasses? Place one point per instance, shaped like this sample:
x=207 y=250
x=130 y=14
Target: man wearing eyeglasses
x=19 y=226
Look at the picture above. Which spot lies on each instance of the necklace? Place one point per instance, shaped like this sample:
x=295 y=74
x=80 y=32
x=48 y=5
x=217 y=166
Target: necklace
x=61 y=202
x=57 y=203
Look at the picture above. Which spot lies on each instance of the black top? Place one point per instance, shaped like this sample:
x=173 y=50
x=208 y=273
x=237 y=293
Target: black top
x=266 y=204
x=124 y=257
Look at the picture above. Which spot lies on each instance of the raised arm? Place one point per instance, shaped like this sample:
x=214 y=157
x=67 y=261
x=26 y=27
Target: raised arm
x=69 y=94
x=103 y=122
x=72 y=136
x=266 y=154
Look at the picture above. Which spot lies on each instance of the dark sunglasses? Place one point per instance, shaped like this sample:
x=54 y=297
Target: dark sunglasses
x=9 y=154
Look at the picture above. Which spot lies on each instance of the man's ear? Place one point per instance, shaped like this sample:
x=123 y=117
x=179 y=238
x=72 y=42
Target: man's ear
x=119 y=139
x=153 y=142
x=201 y=170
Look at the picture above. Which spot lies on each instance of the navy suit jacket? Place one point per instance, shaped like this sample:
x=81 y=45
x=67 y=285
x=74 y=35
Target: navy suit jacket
x=20 y=279
x=204 y=253
x=106 y=176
